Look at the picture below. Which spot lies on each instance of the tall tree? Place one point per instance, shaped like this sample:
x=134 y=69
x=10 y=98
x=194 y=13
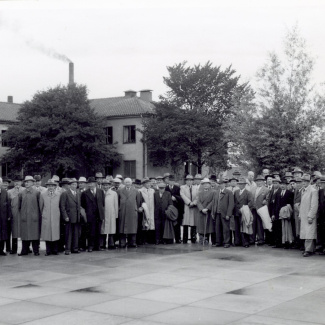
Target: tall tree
x=189 y=124
x=58 y=132
x=283 y=129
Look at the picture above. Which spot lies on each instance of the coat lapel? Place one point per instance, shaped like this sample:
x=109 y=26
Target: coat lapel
x=90 y=195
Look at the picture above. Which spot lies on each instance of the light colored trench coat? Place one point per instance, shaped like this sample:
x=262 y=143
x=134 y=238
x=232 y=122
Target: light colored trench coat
x=111 y=213
x=308 y=209
x=189 y=213
x=50 y=211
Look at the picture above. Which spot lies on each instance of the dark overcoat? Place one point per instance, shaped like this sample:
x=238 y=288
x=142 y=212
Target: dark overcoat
x=226 y=202
x=161 y=205
x=15 y=218
x=246 y=198
x=5 y=214
x=205 y=223
x=30 y=216
x=93 y=205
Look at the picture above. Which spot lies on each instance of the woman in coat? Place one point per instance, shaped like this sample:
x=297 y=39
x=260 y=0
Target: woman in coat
x=307 y=213
x=111 y=214
x=50 y=211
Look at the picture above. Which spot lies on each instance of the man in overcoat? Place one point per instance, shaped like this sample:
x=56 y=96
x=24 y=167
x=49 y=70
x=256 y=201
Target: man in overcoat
x=259 y=199
x=282 y=199
x=222 y=209
x=178 y=204
x=205 y=225
x=15 y=226
x=188 y=194
x=93 y=200
x=271 y=205
x=5 y=216
x=50 y=211
x=162 y=200
x=308 y=217
x=129 y=204
x=241 y=197
x=70 y=215
x=30 y=217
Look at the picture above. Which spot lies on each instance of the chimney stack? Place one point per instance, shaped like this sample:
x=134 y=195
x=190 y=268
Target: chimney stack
x=71 y=73
x=10 y=99
x=146 y=95
x=130 y=93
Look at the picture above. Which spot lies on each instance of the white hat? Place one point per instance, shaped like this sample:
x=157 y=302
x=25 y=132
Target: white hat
x=205 y=180
x=117 y=180
x=29 y=178
x=82 y=179
x=119 y=176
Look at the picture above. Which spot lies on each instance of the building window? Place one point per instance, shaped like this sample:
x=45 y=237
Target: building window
x=4 y=170
x=129 y=169
x=109 y=135
x=129 y=134
x=3 y=143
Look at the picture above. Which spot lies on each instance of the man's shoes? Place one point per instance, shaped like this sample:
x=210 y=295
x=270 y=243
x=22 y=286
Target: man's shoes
x=111 y=247
x=132 y=246
x=246 y=246
x=157 y=242
x=22 y=254
x=178 y=241
x=226 y=245
x=81 y=249
x=90 y=250
x=75 y=252
x=3 y=254
x=260 y=244
x=122 y=246
x=47 y=254
x=218 y=245
x=101 y=249
x=36 y=254
x=13 y=252
x=307 y=254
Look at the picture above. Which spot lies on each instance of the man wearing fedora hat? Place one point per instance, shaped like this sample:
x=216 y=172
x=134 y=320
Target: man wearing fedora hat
x=251 y=185
x=146 y=221
x=30 y=217
x=129 y=200
x=175 y=192
x=99 y=179
x=296 y=207
x=241 y=197
x=308 y=216
x=50 y=211
x=111 y=214
x=13 y=197
x=93 y=201
x=5 y=185
x=259 y=199
x=188 y=194
x=222 y=209
x=162 y=200
x=283 y=198
x=5 y=214
x=70 y=214
x=205 y=226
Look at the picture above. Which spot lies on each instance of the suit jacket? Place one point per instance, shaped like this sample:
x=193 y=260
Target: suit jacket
x=93 y=205
x=226 y=202
x=262 y=195
x=281 y=201
x=162 y=203
x=246 y=198
x=271 y=201
x=179 y=203
x=321 y=206
x=70 y=206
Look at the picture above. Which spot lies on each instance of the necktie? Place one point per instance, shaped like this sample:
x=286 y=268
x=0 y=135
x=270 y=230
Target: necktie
x=191 y=192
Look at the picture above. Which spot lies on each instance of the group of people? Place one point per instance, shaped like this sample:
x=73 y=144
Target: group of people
x=101 y=213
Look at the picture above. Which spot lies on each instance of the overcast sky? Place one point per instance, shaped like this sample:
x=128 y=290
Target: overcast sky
x=119 y=45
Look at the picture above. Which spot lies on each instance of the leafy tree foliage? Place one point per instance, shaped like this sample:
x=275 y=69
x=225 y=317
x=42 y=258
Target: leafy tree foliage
x=58 y=132
x=284 y=128
x=189 y=124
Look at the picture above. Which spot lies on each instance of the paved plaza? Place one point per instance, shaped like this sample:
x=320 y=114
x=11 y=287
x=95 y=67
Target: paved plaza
x=172 y=284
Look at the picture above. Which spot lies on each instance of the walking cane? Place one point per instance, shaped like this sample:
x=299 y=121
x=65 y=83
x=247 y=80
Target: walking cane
x=205 y=228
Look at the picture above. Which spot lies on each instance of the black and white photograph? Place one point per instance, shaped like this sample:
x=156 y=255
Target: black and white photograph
x=162 y=162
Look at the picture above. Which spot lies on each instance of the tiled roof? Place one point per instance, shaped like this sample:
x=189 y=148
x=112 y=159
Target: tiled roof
x=121 y=106
x=108 y=107
x=8 y=111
